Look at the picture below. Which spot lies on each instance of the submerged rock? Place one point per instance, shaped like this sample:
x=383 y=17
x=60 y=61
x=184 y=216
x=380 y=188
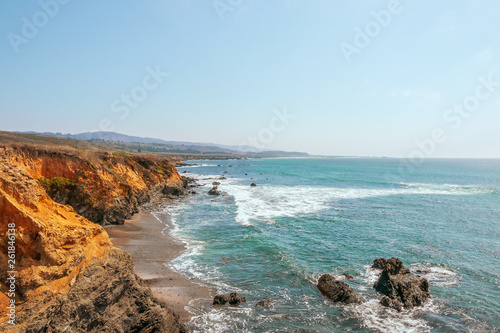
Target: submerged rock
x=232 y=299
x=235 y=299
x=401 y=287
x=214 y=191
x=220 y=300
x=215 y=183
x=338 y=291
x=253 y=184
x=268 y=303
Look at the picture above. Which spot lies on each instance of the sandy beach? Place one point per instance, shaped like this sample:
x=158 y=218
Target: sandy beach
x=150 y=249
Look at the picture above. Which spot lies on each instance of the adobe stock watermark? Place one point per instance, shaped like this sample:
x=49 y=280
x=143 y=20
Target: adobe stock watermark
x=224 y=6
x=277 y=124
x=11 y=273
x=363 y=37
x=453 y=117
x=30 y=27
x=127 y=102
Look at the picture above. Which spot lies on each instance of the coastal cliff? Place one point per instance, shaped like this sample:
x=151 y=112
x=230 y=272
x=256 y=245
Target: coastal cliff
x=69 y=275
x=104 y=187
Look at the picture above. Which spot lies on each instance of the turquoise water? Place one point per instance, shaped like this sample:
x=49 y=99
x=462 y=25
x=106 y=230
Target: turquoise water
x=308 y=217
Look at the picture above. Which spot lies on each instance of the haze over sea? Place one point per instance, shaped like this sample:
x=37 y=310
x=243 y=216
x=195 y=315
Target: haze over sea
x=307 y=217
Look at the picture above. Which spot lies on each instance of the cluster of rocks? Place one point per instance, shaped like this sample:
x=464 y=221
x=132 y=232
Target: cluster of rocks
x=400 y=288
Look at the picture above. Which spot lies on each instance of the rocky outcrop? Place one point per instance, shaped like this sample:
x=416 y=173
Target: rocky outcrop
x=338 y=291
x=401 y=287
x=232 y=299
x=69 y=276
x=105 y=188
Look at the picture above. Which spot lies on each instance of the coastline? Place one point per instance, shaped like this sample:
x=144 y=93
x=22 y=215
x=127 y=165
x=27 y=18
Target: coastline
x=150 y=248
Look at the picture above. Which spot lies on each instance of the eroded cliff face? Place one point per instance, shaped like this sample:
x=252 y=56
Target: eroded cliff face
x=69 y=276
x=106 y=188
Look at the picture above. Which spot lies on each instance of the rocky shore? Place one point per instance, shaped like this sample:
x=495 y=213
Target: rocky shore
x=69 y=276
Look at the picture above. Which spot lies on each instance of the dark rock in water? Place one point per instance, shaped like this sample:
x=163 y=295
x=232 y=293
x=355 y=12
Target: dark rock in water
x=253 y=184
x=233 y=299
x=423 y=271
x=268 y=303
x=220 y=300
x=400 y=285
x=215 y=183
x=338 y=291
x=348 y=276
x=379 y=263
x=214 y=191
x=391 y=303
x=172 y=190
x=246 y=174
x=222 y=178
x=193 y=192
x=225 y=172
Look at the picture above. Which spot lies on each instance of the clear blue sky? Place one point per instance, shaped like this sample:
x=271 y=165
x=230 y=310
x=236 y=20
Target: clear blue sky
x=231 y=68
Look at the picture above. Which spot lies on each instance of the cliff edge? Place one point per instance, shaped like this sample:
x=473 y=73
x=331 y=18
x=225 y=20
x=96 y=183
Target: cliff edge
x=69 y=277
x=104 y=187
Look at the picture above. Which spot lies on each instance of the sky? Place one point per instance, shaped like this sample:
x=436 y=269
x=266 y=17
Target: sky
x=408 y=78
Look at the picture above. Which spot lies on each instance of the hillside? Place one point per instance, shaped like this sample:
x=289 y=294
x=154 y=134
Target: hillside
x=181 y=149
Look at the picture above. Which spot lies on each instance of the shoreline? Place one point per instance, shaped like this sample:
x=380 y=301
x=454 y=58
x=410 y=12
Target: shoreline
x=151 y=249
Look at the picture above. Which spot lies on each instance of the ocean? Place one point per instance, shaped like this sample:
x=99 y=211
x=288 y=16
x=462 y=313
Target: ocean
x=308 y=217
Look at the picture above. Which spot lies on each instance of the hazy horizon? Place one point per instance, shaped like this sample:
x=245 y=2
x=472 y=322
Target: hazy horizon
x=408 y=79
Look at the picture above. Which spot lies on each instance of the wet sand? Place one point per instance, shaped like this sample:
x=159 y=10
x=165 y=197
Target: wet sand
x=150 y=249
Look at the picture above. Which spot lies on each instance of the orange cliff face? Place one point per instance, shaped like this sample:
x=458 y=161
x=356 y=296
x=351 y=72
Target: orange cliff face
x=69 y=275
x=106 y=188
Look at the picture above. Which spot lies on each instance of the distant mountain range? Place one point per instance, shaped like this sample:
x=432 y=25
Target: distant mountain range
x=117 y=137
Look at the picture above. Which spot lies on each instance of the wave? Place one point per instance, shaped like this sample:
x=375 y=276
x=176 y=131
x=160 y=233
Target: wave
x=436 y=275
x=451 y=188
x=196 y=166
x=381 y=319
x=266 y=202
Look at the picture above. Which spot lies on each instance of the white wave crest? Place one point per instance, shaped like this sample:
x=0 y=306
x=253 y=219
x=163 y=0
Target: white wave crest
x=381 y=319
x=266 y=202
x=436 y=275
